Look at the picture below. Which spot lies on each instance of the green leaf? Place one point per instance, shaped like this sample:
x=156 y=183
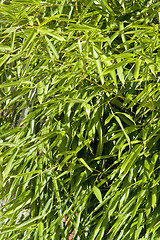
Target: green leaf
x=41 y=229
x=29 y=39
x=112 y=205
x=118 y=66
x=85 y=164
x=97 y=193
x=137 y=68
x=108 y=119
x=99 y=67
x=130 y=160
x=120 y=124
x=9 y=165
x=79 y=120
x=5 y=48
x=4 y=59
x=154 y=196
x=52 y=48
x=56 y=17
x=40 y=91
x=83 y=27
x=50 y=32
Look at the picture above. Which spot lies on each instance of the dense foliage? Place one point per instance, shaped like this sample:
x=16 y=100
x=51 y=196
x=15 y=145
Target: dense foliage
x=80 y=118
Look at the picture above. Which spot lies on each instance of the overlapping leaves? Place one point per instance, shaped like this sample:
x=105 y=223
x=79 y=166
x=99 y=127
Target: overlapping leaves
x=79 y=144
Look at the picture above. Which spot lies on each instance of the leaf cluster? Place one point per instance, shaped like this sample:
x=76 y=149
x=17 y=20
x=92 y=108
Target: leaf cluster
x=80 y=118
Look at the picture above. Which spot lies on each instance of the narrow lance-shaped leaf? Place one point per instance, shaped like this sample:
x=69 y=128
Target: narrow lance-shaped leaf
x=41 y=229
x=120 y=71
x=48 y=19
x=52 y=47
x=154 y=196
x=40 y=91
x=129 y=161
x=137 y=68
x=13 y=39
x=1 y=177
x=111 y=71
x=99 y=66
x=9 y=165
x=4 y=59
x=85 y=164
x=29 y=39
x=108 y=119
x=50 y=32
x=97 y=193
x=120 y=124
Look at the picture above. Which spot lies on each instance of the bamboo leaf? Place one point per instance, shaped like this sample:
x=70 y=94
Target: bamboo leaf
x=41 y=229
x=50 y=32
x=137 y=68
x=29 y=39
x=99 y=67
x=97 y=193
x=40 y=91
x=120 y=124
x=85 y=164
x=52 y=48
x=9 y=166
x=131 y=159
x=4 y=59
x=154 y=196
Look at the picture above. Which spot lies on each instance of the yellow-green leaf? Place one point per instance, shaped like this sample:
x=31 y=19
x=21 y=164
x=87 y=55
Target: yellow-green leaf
x=136 y=72
x=85 y=164
x=97 y=193
x=40 y=91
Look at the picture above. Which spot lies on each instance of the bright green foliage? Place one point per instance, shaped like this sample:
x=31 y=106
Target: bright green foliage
x=80 y=119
